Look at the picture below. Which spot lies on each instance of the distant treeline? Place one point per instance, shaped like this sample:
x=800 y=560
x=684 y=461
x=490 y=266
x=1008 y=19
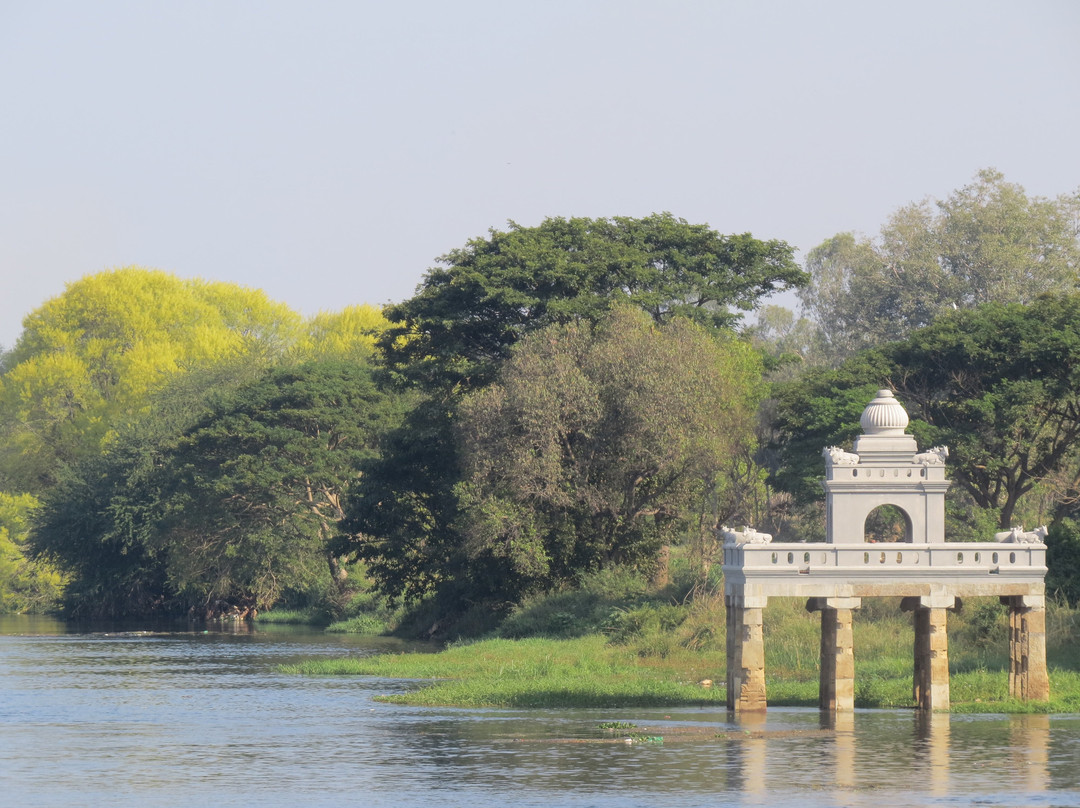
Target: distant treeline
x=553 y=401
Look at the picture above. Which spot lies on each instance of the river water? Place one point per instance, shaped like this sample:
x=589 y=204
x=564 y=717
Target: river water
x=192 y=718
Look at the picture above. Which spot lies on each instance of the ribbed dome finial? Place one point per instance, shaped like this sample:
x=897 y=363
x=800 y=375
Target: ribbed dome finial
x=884 y=415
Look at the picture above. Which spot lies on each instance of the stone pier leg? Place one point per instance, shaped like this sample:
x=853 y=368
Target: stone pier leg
x=836 y=691
x=931 y=679
x=1028 y=678
x=745 y=654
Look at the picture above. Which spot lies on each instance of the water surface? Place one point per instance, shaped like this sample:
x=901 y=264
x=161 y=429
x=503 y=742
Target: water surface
x=192 y=718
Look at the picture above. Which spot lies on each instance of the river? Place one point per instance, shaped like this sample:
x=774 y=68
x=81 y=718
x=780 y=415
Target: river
x=194 y=718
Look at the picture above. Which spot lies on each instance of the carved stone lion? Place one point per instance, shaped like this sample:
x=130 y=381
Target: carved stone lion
x=745 y=536
x=933 y=457
x=1018 y=535
x=835 y=456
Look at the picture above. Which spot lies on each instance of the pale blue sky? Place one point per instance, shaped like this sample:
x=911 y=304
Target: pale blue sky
x=328 y=152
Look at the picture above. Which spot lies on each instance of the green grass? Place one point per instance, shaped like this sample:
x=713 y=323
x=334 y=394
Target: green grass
x=580 y=672
x=299 y=617
x=360 y=624
x=641 y=651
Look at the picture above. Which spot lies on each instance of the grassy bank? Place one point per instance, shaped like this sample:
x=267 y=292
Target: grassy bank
x=611 y=645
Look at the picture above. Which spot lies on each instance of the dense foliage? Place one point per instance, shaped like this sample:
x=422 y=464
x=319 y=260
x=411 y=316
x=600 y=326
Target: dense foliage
x=99 y=385
x=459 y=329
x=254 y=490
x=237 y=511
x=597 y=445
x=26 y=585
x=491 y=292
x=88 y=360
x=988 y=242
x=998 y=384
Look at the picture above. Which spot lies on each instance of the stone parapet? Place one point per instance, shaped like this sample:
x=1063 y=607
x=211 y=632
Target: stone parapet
x=968 y=569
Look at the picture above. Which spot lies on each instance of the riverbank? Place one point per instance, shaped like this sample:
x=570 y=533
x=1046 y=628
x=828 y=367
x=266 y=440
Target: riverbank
x=666 y=662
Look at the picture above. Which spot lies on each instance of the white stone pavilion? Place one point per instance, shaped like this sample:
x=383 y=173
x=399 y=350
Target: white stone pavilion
x=928 y=572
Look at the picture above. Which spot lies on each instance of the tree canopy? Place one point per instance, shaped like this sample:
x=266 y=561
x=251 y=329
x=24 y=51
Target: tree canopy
x=988 y=242
x=90 y=360
x=26 y=585
x=239 y=509
x=254 y=490
x=593 y=446
x=490 y=293
x=452 y=336
x=999 y=384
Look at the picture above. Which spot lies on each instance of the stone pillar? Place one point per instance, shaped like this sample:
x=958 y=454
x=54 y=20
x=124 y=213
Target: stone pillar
x=745 y=654
x=1028 y=678
x=931 y=680
x=836 y=690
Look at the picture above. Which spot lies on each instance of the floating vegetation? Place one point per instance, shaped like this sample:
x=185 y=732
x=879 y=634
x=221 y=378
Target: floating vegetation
x=614 y=725
x=638 y=738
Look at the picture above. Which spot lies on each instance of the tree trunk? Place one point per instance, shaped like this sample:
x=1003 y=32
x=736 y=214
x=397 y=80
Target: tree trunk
x=661 y=573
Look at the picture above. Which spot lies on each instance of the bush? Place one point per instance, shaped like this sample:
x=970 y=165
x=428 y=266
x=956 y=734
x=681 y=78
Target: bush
x=360 y=624
x=294 y=617
x=1063 y=560
x=625 y=625
x=584 y=609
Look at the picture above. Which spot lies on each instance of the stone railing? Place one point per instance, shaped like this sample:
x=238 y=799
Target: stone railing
x=955 y=555
x=958 y=558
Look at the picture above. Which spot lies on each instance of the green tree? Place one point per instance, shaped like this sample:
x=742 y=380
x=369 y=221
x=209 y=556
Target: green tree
x=350 y=334
x=1063 y=560
x=254 y=490
x=451 y=337
x=96 y=524
x=235 y=507
x=26 y=585
x=98 y=520
x=466 y=315
x=987 y=242
x=89 y=360
x=999 y=384
x=598 y=446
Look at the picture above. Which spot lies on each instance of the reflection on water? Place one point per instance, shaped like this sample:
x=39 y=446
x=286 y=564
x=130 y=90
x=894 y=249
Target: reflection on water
x=192 y=718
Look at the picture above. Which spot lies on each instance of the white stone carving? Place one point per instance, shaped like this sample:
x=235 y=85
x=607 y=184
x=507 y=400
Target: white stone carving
x=1018 y=535
x=933 y=457
x=835 y=456
x=884 y=415
x=745 y=536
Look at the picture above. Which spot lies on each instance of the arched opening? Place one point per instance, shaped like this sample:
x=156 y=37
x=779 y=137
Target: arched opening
x=887 y=523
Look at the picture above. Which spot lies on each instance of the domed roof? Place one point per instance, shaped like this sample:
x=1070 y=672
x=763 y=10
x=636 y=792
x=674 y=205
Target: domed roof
x=884 y=415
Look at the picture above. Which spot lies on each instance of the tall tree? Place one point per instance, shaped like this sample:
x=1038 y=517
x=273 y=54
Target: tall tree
x=987 y=242
x=89 y=360
x=239 y=507
x=451 y=337
x=254 y=490
x=597 y=446
x=466 y=315
x=999 y=384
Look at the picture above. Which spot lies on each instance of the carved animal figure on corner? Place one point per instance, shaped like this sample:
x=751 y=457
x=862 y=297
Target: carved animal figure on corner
x=1018 y=535
x=933 y=457
x=835 y=456
x=745 y=536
